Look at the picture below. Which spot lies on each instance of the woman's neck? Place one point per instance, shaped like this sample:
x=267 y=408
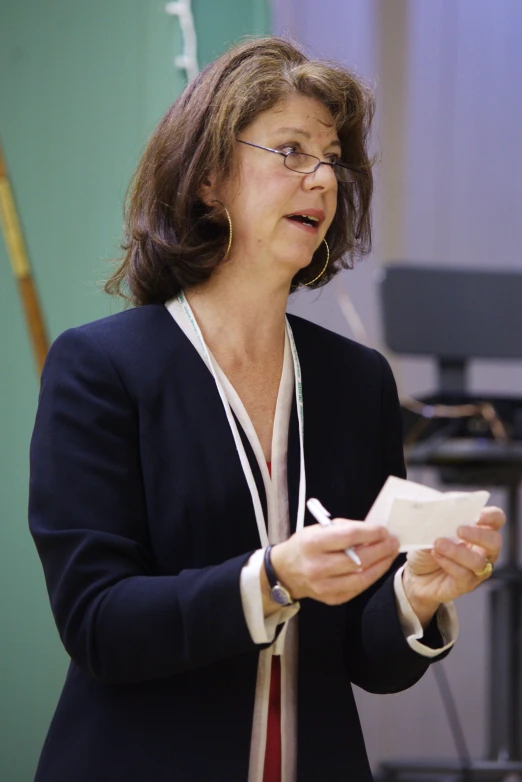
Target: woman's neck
x=244 y=319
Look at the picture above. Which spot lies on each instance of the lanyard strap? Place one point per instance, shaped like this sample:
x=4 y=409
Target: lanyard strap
x=245 y=464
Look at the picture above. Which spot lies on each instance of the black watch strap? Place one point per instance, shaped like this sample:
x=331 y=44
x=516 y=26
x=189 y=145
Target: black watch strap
x=278 y=593
x=270 y=572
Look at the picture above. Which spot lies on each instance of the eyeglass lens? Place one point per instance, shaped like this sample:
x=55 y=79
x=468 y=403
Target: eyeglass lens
x=306 y=164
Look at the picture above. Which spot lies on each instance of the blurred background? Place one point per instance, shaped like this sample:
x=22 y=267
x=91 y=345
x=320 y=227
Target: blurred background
x=82 y=85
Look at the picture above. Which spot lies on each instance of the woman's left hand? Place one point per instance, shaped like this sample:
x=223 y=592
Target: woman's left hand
x=453 y=568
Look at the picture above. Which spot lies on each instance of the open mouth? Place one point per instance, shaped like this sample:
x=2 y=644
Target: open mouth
x=305 y=220
x=308 y=220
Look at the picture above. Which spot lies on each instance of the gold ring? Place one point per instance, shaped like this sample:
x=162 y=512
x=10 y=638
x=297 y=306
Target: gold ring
x=486 y=571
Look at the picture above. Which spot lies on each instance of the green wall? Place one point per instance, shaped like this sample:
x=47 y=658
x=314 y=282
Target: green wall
x=82 y=85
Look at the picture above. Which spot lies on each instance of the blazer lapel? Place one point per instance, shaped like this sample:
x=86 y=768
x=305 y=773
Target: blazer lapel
x=314 y=446
x=202 y=391
x=254 y=466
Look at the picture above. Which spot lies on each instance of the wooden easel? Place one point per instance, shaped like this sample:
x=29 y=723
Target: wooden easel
x=21 y=268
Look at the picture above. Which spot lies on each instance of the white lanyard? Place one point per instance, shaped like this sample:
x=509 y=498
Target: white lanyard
x=261 y=526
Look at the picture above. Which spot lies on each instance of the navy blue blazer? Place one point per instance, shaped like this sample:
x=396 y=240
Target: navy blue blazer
x=143 y=520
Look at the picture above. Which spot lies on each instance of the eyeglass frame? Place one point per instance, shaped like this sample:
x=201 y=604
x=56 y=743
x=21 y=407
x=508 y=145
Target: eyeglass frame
x=338 y=163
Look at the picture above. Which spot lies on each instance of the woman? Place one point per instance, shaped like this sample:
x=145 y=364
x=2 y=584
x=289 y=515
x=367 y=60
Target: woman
x=175 y=441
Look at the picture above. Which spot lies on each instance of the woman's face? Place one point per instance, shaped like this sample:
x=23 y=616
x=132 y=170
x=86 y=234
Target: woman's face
x=264 y=194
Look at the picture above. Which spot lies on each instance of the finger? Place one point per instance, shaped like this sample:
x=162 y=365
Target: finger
x=344 y=588
x=492 y=517
x=462 y=575
x=463 y=556
x=371 y=554
x=487 y=539
x=344 y=534
x=334 y=564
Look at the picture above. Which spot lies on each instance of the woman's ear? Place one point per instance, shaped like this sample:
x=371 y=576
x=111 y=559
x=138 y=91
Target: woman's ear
x=207 y=190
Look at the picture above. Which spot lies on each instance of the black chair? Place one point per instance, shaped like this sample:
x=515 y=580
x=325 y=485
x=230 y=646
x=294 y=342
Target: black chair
x=456 y=315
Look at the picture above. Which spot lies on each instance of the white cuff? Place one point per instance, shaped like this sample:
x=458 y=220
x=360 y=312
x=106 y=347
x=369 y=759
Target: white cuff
x=447 y=621
x=262 y=629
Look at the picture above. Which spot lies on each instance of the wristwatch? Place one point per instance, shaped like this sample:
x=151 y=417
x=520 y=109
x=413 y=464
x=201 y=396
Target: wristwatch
x=278 y=593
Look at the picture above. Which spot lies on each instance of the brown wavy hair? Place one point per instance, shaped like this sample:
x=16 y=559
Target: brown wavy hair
x=172 y=239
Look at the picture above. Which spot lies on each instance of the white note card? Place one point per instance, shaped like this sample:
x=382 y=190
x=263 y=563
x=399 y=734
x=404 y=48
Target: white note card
x=417 y=515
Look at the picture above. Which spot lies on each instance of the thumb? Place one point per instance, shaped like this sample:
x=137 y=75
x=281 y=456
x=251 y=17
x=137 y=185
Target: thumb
x=421 y=562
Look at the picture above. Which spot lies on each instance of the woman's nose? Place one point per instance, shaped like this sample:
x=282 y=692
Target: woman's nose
x=323 y=177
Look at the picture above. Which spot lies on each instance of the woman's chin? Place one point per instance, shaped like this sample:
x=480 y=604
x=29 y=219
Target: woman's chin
x=294 y=259
x=298 y=267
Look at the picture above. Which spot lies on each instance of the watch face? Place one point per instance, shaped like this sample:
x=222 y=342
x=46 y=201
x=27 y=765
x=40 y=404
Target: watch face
x=280 y=595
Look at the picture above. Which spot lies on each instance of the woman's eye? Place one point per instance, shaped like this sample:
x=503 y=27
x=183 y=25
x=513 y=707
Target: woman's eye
x=333 y=158
x=288 y=148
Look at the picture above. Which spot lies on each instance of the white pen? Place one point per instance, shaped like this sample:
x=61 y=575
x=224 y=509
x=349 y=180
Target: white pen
x=321 y=515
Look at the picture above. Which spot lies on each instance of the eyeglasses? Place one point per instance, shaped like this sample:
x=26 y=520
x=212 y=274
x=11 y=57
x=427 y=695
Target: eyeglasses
x=307 y=164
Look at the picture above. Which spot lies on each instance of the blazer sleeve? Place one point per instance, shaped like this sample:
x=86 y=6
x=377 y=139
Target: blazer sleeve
x=88 y=516
x=378 y=656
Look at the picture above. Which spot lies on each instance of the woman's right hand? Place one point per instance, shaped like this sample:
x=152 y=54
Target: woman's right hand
x=312 y=562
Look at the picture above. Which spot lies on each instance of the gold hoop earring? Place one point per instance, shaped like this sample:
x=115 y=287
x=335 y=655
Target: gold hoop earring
x=215 y=201
x=304 y=284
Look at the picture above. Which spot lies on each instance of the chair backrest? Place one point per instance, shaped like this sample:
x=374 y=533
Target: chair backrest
x=452 y=314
